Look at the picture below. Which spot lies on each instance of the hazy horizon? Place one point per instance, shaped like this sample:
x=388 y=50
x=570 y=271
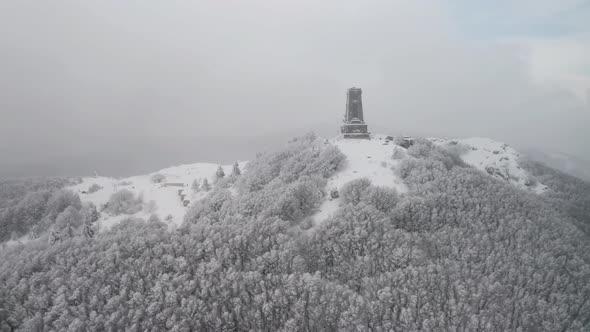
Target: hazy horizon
x=129 y=87
x=165 y=152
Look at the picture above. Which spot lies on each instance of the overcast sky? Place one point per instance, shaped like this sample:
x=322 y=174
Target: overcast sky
x=124 y=87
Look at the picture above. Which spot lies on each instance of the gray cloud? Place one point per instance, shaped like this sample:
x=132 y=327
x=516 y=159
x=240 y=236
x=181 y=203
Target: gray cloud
x=129 y=86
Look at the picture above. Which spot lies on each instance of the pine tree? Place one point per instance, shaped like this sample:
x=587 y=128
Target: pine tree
x=88 y=231
x=90 y=214
x=195 y=186
x=67 y=221
x=220 y=173
x=236 y=170
x=54 y=237
x=206 y=186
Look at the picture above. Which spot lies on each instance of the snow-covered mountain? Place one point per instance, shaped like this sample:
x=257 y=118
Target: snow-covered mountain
x=373 y=159
x=268 y=230
x=165 y=199
x=495 y=158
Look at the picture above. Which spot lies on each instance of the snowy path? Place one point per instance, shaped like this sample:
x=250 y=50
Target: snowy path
x=371 y=159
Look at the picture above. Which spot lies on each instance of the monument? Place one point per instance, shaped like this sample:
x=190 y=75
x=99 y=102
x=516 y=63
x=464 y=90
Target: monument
x=354 y=124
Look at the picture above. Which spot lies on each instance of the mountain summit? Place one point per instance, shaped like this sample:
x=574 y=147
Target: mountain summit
x=386 y=233
x=375 y=159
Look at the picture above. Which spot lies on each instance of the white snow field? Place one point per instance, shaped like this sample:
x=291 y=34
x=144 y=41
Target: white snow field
x=495 y=158
x=162 y=199
x=365 y=158
x=373 y=159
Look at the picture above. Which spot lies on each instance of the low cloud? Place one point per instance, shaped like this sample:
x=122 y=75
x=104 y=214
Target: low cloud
x=97 y=78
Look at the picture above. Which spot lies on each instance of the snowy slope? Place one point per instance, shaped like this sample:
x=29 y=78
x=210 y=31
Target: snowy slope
x=372 y=159
x=364 y=158
x=495 y=158
x=159 y=199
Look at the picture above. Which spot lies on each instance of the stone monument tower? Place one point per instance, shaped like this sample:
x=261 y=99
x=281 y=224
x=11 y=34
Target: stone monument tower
x=354 y=123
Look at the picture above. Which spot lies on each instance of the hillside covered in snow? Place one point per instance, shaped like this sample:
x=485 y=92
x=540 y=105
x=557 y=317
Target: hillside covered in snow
x=164 y=194
x=495 y=158
x=376 y=160
x=371 y=159
x=350 y=235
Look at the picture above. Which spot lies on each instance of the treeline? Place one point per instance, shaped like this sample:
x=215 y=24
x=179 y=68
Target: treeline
x=12 y=190
x=31 y=206
x=462 y=251
x=568 y=193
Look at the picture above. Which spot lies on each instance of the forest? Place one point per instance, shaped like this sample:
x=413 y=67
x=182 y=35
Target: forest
x=461 y=251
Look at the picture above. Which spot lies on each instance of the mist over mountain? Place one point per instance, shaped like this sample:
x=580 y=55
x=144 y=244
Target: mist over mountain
x=138 y=155
x=216 y=166
x=105 y=80
x=562 y=161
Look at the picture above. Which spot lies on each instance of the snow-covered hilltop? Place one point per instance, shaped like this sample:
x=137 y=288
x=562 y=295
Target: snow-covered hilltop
x=371 y=159
x=375 y=159
x=495 y=158
x=167 y=199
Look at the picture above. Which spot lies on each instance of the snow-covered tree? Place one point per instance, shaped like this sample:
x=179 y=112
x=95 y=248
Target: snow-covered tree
x=196 y=187
x=206 y=186
x=88 y=231
x=94 y=188
x=158 y=178
x=54 y=237
x=220 y=173
x=154 y=218
x=68 y=221
x=353 y=191
x=236 y=170
x=123 y=202
x=398 y=153
x=61 y=200
x=90 y=214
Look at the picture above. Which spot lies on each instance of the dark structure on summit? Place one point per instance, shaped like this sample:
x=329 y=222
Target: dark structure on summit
x=354 y=123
